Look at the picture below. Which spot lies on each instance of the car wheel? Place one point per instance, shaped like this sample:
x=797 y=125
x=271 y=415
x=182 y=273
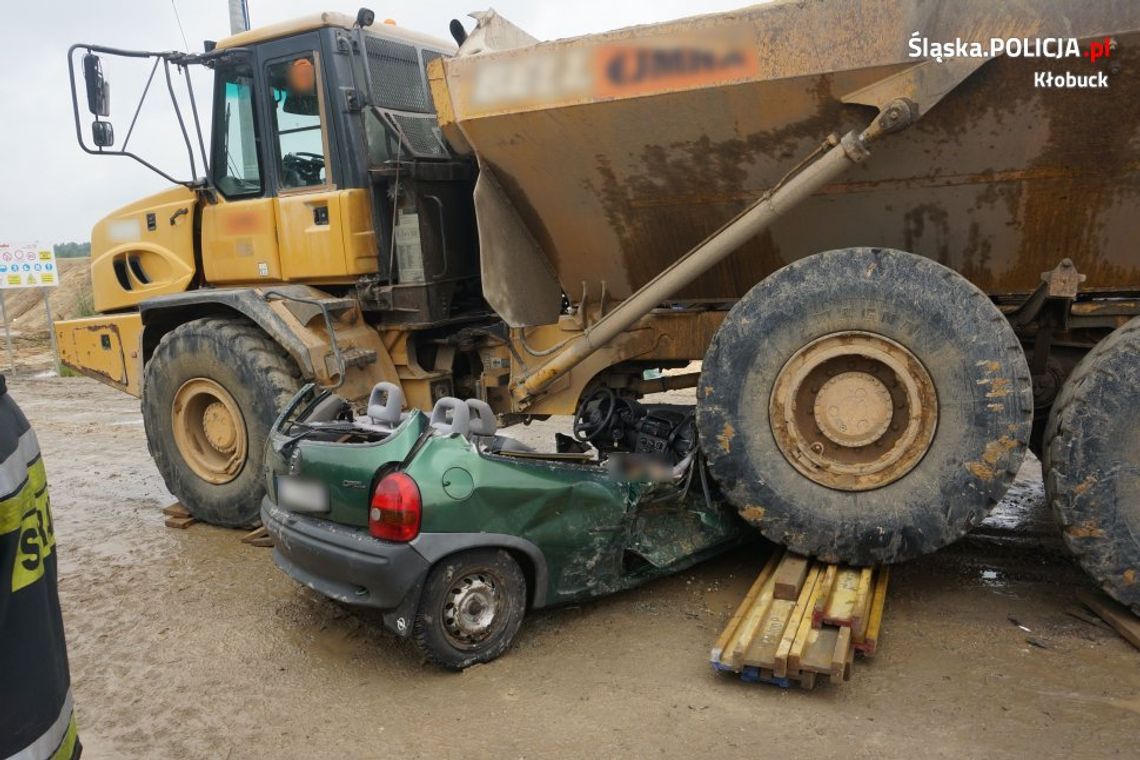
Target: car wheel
x=471 y=608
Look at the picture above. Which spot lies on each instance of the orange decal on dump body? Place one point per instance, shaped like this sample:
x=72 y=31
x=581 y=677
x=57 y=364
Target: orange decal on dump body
x=672 y=63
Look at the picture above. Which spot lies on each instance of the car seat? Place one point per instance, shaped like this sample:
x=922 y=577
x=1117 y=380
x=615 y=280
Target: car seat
x=483 y=427
x=385 y=409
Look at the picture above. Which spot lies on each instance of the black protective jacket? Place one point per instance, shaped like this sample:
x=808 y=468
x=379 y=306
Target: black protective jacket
x=36 y=717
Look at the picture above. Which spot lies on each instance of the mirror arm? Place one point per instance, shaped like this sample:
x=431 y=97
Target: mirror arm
x=181 y=121
x=198 y=129
x=138 y=109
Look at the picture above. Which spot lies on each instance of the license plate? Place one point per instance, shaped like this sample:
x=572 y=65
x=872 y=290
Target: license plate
x=302 y=495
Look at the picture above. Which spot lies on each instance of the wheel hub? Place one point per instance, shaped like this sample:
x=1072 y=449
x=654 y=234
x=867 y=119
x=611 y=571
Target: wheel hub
x=470 y=610
x=853 y=411
x=209 y=430
x=219 y=427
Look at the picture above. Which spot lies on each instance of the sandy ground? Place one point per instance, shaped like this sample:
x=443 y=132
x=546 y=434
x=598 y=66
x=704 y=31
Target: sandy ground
x=190 y=644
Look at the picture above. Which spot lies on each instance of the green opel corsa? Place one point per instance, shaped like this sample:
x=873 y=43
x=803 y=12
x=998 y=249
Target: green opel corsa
x=454 y=531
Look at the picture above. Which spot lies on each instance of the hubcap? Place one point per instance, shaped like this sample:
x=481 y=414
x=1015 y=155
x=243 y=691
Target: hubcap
x=853 y=411
x=209 y=430
x=470 y=610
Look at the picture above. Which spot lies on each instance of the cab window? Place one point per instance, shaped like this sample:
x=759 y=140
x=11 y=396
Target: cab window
x=236 y=169
x=298 y=136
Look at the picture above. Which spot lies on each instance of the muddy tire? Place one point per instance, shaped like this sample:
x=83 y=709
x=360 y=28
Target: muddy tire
x=471 y=608
x=1092 y=463
x=864 y=405
x=211 y=391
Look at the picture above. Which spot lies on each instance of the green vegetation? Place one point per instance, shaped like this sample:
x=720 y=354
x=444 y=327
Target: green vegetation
x=84 y=305
x=72 y=250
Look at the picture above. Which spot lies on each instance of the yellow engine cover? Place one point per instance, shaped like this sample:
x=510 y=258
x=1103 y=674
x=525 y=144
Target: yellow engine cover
x=143 y=250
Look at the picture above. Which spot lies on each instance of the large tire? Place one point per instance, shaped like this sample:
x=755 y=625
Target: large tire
x=251 y=378
x=1092 y=463
x=945 y=368
x=471 y=608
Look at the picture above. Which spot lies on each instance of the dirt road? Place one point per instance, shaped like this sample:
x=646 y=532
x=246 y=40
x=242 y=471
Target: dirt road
x=189 y=644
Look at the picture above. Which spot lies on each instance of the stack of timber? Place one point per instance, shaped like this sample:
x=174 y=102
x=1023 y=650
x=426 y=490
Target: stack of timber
x=803 y=619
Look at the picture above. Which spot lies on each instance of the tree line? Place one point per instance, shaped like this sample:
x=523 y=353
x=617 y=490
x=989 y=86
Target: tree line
x=72 y=250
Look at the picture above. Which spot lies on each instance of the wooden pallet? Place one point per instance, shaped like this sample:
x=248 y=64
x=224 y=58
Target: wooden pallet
x=177 y=516
x=803 y=619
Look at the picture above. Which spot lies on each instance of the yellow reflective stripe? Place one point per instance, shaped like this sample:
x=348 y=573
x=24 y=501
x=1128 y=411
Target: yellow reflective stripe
x=34 y=544
x=13 y=509
x=70 y=739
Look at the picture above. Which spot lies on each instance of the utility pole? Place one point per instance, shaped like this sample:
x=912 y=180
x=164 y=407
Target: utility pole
x=239 y=16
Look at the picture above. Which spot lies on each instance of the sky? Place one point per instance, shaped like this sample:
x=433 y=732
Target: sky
x=55 y=192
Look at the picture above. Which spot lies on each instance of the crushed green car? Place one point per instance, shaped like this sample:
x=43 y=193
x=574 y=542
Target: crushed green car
x=454 y=531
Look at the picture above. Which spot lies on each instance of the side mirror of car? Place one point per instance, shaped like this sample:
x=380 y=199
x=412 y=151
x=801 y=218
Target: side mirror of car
x=98 y=89
x=102 y=134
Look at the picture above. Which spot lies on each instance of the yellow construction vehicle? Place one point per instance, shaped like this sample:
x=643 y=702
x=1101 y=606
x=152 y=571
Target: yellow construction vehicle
x=535 y=225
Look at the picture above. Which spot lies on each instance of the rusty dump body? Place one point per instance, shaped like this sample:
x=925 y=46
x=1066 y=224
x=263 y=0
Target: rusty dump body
x=614 y=154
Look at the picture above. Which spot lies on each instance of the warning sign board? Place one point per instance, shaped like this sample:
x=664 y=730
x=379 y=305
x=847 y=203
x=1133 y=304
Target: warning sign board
x=27 y=265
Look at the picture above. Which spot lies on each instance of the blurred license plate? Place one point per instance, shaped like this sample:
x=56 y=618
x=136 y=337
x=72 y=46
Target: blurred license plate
x=302 y=495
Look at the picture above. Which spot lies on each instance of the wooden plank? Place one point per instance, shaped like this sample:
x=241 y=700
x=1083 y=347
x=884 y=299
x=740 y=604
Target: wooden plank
x=762 y=651
x=827 y=585
x=840 y=653
x=790 y=576
x=799 y=644
x=798 y=618
x=180 y=522
x=1115 y=614
x=733 y=655
x=176 y=510
x=254 y=535
x=862 y=604
x=819 y=649
x=263 y=542
x=749 y=598
x=875 y=618
x=840 y=609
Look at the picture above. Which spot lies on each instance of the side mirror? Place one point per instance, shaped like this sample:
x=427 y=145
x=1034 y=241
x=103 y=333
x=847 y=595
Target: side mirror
x=102 y=134
x=365 y=17
x=98 y=89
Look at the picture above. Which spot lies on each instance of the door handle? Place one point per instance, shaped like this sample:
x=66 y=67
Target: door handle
x=321 y=215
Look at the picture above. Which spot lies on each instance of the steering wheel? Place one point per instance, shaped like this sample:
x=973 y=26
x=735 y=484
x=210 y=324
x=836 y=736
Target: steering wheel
x=591 y=421
x=305 y=165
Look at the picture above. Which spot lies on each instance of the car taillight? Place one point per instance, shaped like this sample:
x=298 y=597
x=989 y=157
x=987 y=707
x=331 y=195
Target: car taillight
x=395 y=511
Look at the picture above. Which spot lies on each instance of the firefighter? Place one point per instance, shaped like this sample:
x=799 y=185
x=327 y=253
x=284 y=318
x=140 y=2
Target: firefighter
x=36 y=717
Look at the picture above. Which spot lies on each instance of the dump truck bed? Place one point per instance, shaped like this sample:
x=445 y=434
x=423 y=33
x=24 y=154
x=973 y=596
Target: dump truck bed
x=618 y=152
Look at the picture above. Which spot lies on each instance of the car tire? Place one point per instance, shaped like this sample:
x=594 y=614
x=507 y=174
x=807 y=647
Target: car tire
x=471 y=608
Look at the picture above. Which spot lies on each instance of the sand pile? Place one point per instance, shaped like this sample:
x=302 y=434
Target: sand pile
x=70 y=299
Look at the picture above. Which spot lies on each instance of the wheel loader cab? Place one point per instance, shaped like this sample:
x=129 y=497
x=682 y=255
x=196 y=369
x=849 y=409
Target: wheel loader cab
x=294 y=203
x=331 y=170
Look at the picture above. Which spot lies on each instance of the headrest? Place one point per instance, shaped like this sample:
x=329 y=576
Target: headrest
x=385 y=404
x=482 y=418
x=450 y=415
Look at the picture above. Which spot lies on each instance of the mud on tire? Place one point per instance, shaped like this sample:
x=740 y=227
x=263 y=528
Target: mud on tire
x=1092 y=463
x=259 y=377
x=926 y=314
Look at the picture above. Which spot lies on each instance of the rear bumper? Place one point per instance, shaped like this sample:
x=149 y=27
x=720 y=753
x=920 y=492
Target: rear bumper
x=348 y=564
